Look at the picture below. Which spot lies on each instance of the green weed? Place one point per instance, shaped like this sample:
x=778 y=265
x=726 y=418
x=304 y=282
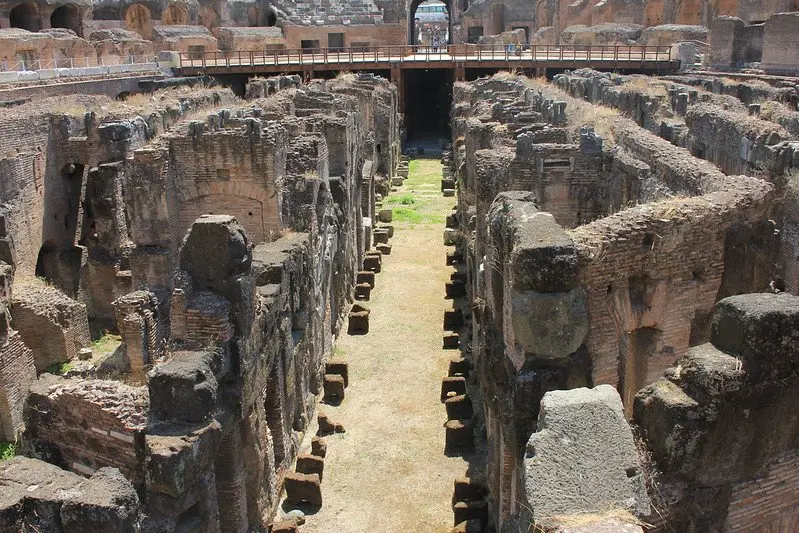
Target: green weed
x=7 y=450
x=59 y=369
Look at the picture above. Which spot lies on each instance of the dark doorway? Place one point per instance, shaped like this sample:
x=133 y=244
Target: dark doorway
x=25 y=16
x=637 y=347
x=428 y=98
x=271 y=17
x=67 y=17
x=310 y=45
x=335 y=42
x=474 y=33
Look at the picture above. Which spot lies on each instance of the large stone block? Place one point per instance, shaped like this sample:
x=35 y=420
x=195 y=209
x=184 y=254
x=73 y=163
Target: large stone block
x=542 y=256
x=214 y=251
x=179 y=456
x=762 y=329
x=583 y=458
x=184 y=388
x=303 y=488
x=108 y=503
x=311 y=464
x=38 y=496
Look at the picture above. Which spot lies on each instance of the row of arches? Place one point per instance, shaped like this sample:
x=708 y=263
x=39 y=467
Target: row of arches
x=138 y=17
x=28 y=17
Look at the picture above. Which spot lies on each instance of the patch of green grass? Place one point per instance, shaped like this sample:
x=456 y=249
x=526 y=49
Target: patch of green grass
x=339 y=352
x=59 y=369
x=405 y=214
x=7 y=450
x=107 y=343
x=423 y=172
x=402 y=199
x=418 y=202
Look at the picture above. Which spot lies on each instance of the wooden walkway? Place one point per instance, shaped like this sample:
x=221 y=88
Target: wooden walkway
x=457 y=57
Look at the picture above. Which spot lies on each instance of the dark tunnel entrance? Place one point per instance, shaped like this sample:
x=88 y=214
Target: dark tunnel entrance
x=428 y=98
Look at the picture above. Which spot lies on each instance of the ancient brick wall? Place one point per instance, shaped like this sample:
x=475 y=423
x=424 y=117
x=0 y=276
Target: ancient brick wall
x=210 y=176
x=781 y=44
x=630 y=288
x=659 y=274
x=90 y=424
x=17 y=373
x=52 y=325
x=768 y=502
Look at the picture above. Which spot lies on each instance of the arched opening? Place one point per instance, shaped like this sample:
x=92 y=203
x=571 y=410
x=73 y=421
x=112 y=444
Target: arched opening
x=253 y=17
x=209 y=18
x=175 y=15
x=429 y=23
x=68 y=17
x=138 y=19
x=46 y=262
x=25 y=16
x=271 y=17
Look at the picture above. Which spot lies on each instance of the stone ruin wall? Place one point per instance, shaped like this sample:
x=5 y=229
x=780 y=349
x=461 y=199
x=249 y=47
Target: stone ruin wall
x=613 y=296
x=226 y=321
x=755 y=136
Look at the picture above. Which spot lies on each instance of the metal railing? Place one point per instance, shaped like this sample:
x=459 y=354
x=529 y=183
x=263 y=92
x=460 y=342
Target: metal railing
x=23 y=65
x=449 y=53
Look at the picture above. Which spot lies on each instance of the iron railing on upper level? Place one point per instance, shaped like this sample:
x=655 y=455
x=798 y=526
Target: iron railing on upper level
x=538 y=55
x=72 y=62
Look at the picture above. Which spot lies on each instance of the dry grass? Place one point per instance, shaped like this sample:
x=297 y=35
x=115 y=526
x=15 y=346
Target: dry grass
x=581 y=520
x=506 y=74
x=644 y=85
x=772 y=110
x=600 y=117
x=535 y=83
x=346 y=76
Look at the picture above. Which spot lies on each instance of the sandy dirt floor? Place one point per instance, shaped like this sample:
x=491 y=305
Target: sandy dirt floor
x=388 y=472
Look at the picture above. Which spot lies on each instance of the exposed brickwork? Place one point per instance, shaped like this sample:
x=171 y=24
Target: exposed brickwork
x=17 y=373
x=91 y=423
x=52 y=325
x=768 y=502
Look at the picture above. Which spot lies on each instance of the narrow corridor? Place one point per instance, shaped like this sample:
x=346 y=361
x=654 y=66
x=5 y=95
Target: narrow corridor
x=388 y=472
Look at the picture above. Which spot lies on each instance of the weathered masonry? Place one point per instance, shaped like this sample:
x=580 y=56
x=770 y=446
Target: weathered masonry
x=599 y=253
x=221 y=239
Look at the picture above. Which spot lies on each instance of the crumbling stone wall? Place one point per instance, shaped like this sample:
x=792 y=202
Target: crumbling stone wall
x=38 y=495
x=54 y=326
x=67 y=224
x=722 y=130
x=85 y=425
x=717 y=475
x=561 y=301
x=17 y=373
x=226 y=324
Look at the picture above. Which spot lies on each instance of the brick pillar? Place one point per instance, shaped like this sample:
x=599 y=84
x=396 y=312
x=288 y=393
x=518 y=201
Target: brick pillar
x=231 y=483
